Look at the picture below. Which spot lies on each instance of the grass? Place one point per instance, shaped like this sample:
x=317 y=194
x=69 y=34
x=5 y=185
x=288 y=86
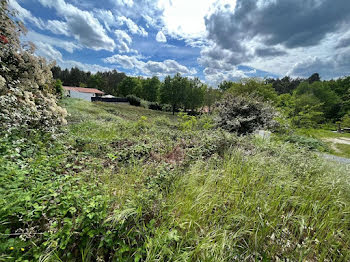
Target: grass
x=129 y=184
x=326 y=136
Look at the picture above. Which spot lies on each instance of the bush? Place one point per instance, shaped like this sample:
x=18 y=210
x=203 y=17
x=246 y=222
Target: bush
x=27 y=91
x=166 y=108
x=155 y=106
x=346 y=120
x=307 y=142
x=244 y=115
x=134 y=100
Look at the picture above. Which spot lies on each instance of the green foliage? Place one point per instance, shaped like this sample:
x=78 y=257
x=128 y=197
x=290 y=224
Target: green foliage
x=307 y=142
x=134 y=100
x=59 y=89
x=329 y=100
x=130 y=86
x=253 y=87
x=194 y=94
x=151 y=89
x=96 y=81
x=123 y=183
x=346 y=121
x=155 y=106
x=244 y=115
x=186 y=122
x=173 y=91
x=211 y=96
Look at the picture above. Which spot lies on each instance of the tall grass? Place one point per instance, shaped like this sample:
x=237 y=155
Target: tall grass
x=276 y=204
x=130 y=184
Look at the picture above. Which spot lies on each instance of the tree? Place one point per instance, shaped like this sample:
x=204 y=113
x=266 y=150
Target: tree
x=151 y=89
x=211 y=96
x=225 y=85
x=194 y=94
x=285 y=85
x=314 y=78
x=173 y=91
x=346 y=120
x=255 y=87
x=95 y=81
x=130 y=86
x=325 y=95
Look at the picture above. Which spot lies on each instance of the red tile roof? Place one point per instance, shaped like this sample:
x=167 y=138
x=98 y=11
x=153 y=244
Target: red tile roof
x=83 y=89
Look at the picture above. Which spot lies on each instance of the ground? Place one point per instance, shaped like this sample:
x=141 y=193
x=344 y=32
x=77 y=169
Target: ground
x=124 y=183
x=338 y=143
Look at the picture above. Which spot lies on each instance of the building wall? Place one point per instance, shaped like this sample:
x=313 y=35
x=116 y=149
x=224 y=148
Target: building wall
x=85 y=96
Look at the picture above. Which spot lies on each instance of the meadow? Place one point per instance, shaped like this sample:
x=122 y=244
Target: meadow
x=124 y=183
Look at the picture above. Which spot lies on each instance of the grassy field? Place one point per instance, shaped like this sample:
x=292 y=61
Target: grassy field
x=128 y=184
x=338 y=143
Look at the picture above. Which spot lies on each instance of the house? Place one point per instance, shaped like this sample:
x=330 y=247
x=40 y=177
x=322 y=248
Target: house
x=82 y=92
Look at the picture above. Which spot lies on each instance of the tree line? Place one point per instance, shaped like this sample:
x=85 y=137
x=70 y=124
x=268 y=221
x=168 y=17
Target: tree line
x=305 y=102
x=178 y=92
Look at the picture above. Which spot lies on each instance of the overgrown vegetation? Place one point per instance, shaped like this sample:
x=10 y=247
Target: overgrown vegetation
x=125 y=183
x=131 y=184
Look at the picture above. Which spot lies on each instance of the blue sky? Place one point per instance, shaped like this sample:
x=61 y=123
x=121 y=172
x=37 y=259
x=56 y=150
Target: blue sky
x=214 y=40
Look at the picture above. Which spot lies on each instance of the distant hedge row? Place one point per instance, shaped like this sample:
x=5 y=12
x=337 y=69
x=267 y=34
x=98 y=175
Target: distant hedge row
x=136 y=101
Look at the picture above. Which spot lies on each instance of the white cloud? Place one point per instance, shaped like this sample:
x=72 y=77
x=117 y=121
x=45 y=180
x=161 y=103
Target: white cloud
x=66 y=45
x=107 y=17
x=46 y=50
x=124 y=40
x=128 y=3
x=132 y=26
x=150 y=68
x=82 y=25
x=49 y=52
x=93 y=68
x=25 y=15
x=185 y=19
x=161 y=37
x=58 y=27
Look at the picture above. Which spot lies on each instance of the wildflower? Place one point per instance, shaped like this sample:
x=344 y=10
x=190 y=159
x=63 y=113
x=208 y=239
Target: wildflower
x=12 y=248
x=22 y=249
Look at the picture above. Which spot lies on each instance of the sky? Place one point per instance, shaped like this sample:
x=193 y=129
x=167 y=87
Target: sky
x=214 y=40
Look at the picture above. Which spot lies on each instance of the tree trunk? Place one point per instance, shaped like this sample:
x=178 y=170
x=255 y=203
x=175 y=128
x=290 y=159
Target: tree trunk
x=173 y=109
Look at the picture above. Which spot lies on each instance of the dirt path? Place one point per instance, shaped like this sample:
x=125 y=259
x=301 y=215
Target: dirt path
x=341 y=160
x=340 y=140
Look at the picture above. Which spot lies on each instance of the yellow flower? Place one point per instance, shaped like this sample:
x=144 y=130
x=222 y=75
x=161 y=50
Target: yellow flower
x=22 y=249
x=12 y=248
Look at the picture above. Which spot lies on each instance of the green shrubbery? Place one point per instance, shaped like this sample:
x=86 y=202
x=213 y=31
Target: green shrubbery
x=134 y=100
x=127 y=184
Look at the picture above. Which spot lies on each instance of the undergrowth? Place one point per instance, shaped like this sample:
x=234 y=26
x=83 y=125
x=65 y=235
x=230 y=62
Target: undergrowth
x=129 y=184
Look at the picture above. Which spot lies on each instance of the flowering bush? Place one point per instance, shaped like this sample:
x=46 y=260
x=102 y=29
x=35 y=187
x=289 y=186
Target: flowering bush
x=27 y=90
x=244 y=115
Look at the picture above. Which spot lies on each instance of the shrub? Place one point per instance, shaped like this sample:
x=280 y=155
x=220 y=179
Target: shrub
x=186 y=122
x=134 y=100
x=244 y=115
x=307 y=142
x=59 y=89
x=166 y=108
x=27 y=99
x=346 y=120
x=155 y=106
